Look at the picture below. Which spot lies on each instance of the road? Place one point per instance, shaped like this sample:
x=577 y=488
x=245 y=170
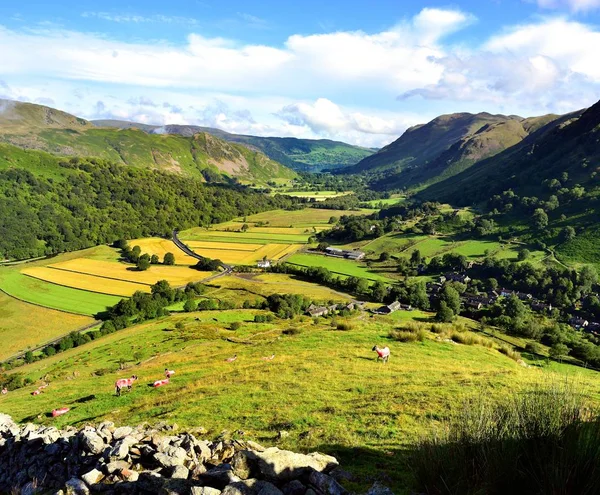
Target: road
x=227 y=269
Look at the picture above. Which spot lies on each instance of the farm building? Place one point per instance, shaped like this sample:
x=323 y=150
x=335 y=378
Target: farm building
x=263 y=264
x=463 y=278
x=390 y=308
x=578 y=323
x=541 y=307
x=316 y=311
x=344 y=253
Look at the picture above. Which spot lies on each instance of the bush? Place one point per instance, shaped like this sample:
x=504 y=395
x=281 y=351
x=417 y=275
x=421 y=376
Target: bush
x=533 y=442
x=292 y=331
x=236 y=325
x=437 y=328
x=345 y=325
x=533 y=348
x=510 y=352
x=190 y=305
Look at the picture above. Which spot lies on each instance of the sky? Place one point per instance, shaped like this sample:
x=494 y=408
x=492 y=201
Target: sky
x=354 y=71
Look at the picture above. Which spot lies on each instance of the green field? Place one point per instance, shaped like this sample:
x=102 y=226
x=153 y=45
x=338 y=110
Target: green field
x=323 y=387
x=53 y=296
x=241 y=237
x=337 y=265
x=316 y=195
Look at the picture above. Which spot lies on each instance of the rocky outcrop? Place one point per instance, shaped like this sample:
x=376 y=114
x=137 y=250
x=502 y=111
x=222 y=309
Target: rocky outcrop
x=105 y=459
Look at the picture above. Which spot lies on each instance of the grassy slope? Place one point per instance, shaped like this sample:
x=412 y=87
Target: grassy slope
x=324 y=386
x=337 y=265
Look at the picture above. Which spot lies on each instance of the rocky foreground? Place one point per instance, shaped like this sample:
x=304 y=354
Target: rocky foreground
x=105 y=459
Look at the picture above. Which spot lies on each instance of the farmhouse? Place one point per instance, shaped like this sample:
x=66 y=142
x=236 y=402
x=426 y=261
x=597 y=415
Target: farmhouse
x=390 y=308
x=463 y=278
x=263 y=264
x=540 y=307
x=344 y=253
x=473 y=304
x=316 y=311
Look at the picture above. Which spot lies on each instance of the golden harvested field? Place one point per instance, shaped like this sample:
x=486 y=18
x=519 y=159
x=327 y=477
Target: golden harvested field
x=226 y=246
x=175 y=275
x=301 y=218
x=243 y=256
x=24 y=325
x=85 y=282
x=160 y=247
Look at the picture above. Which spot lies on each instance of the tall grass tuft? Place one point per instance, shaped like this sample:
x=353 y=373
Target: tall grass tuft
x=545 y=441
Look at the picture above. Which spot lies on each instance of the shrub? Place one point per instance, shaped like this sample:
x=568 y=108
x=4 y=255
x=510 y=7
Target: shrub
x=403 y=336
x=510 y=352
x=435 y=328
x=345 y=325
x=534 y=442
x=533 y=348
x=292 y=331
x=236 y=325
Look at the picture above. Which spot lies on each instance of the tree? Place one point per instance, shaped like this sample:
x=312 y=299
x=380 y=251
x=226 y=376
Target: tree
x=567 y=234
x=415 y=257
x=135 y=254
x=143 y=263
x=190 y=305
x=451 y=298
x=444 y=314
x=245 y=227
x=384 y=256
x=29 y=357
x=378 y=291
x=523 y=254
x=332 y=220
x=154 y=260
x=558 y=351
x=169 y=259
x=515 y=308
x=540 y=219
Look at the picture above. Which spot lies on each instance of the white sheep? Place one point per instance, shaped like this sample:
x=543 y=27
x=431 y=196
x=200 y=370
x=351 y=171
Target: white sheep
x=383 y=354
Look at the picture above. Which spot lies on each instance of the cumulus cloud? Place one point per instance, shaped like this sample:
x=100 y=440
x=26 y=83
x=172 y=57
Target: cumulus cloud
x=572 y=5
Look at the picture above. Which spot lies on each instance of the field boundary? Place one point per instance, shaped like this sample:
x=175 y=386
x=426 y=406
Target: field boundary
x=47 y=307
x=75 y=288
x=78 y=272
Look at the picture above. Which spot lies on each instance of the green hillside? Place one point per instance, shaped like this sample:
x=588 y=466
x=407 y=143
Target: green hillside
x=41 y=128
x=306 y=155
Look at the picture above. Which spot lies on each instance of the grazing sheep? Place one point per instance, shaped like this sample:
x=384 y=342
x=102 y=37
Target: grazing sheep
x=160 y=383
x=4 y=391
x=383 y=354
x=231 y=359
x=269 y=358
x=169 y=373
x=124 y=382
x=60 y=412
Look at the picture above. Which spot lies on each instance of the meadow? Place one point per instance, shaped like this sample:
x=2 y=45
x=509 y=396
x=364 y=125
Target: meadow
x=313 y=195
x=337 y=265
x=323 y=387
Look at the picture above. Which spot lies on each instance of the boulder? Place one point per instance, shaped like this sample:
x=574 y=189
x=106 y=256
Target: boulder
x=180 y=472
x=92 y=442
x=294 y=487
x=129 y=475
x=280 y=465
x=122 y=432
x=115 y=466
x=325 y=484
x=204 y=490
x=76 y=487
x=92 y=477
x=219 y=477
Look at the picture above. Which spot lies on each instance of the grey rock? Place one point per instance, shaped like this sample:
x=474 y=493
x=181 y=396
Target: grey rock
x=283 y=434
x=325 y=484
x=379 y=489
x=92 y=477
x=122 y=432
x=238 y=488
x=167 y=461
x=76 y=487
x=180 y=472
x=92 y=442
x=219 y=477
x=121 y=448
x=203 y=450
x=280 y=465
x=204 y=490
x=115 y=466
x=294 y=487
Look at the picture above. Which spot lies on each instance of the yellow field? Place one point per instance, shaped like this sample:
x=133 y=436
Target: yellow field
x=228 y=246
x=160 y=247
x=85 y=282
x=244 y=257
x=175 y=275
x=235 y=226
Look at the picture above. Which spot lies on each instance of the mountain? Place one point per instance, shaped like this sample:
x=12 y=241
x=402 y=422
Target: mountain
x=306 y=155
x=447 y=145
x=37 y=127
x=567 y=145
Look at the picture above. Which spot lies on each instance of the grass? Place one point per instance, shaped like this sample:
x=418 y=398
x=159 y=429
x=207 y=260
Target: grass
x=301 y=218
x=53 y=296
x=336 y=265
x=583 y=249
x=323 y=386
x=24 y=325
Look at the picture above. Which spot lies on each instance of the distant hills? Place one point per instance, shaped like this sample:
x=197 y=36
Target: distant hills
x=36 y=127
x=446 y=146
x=303 y=155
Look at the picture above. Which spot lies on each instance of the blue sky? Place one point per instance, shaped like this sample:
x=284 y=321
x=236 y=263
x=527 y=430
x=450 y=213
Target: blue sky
x=356 y=71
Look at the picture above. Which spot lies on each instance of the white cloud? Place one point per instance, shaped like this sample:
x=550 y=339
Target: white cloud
x=572 y=5
x=137 y=19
